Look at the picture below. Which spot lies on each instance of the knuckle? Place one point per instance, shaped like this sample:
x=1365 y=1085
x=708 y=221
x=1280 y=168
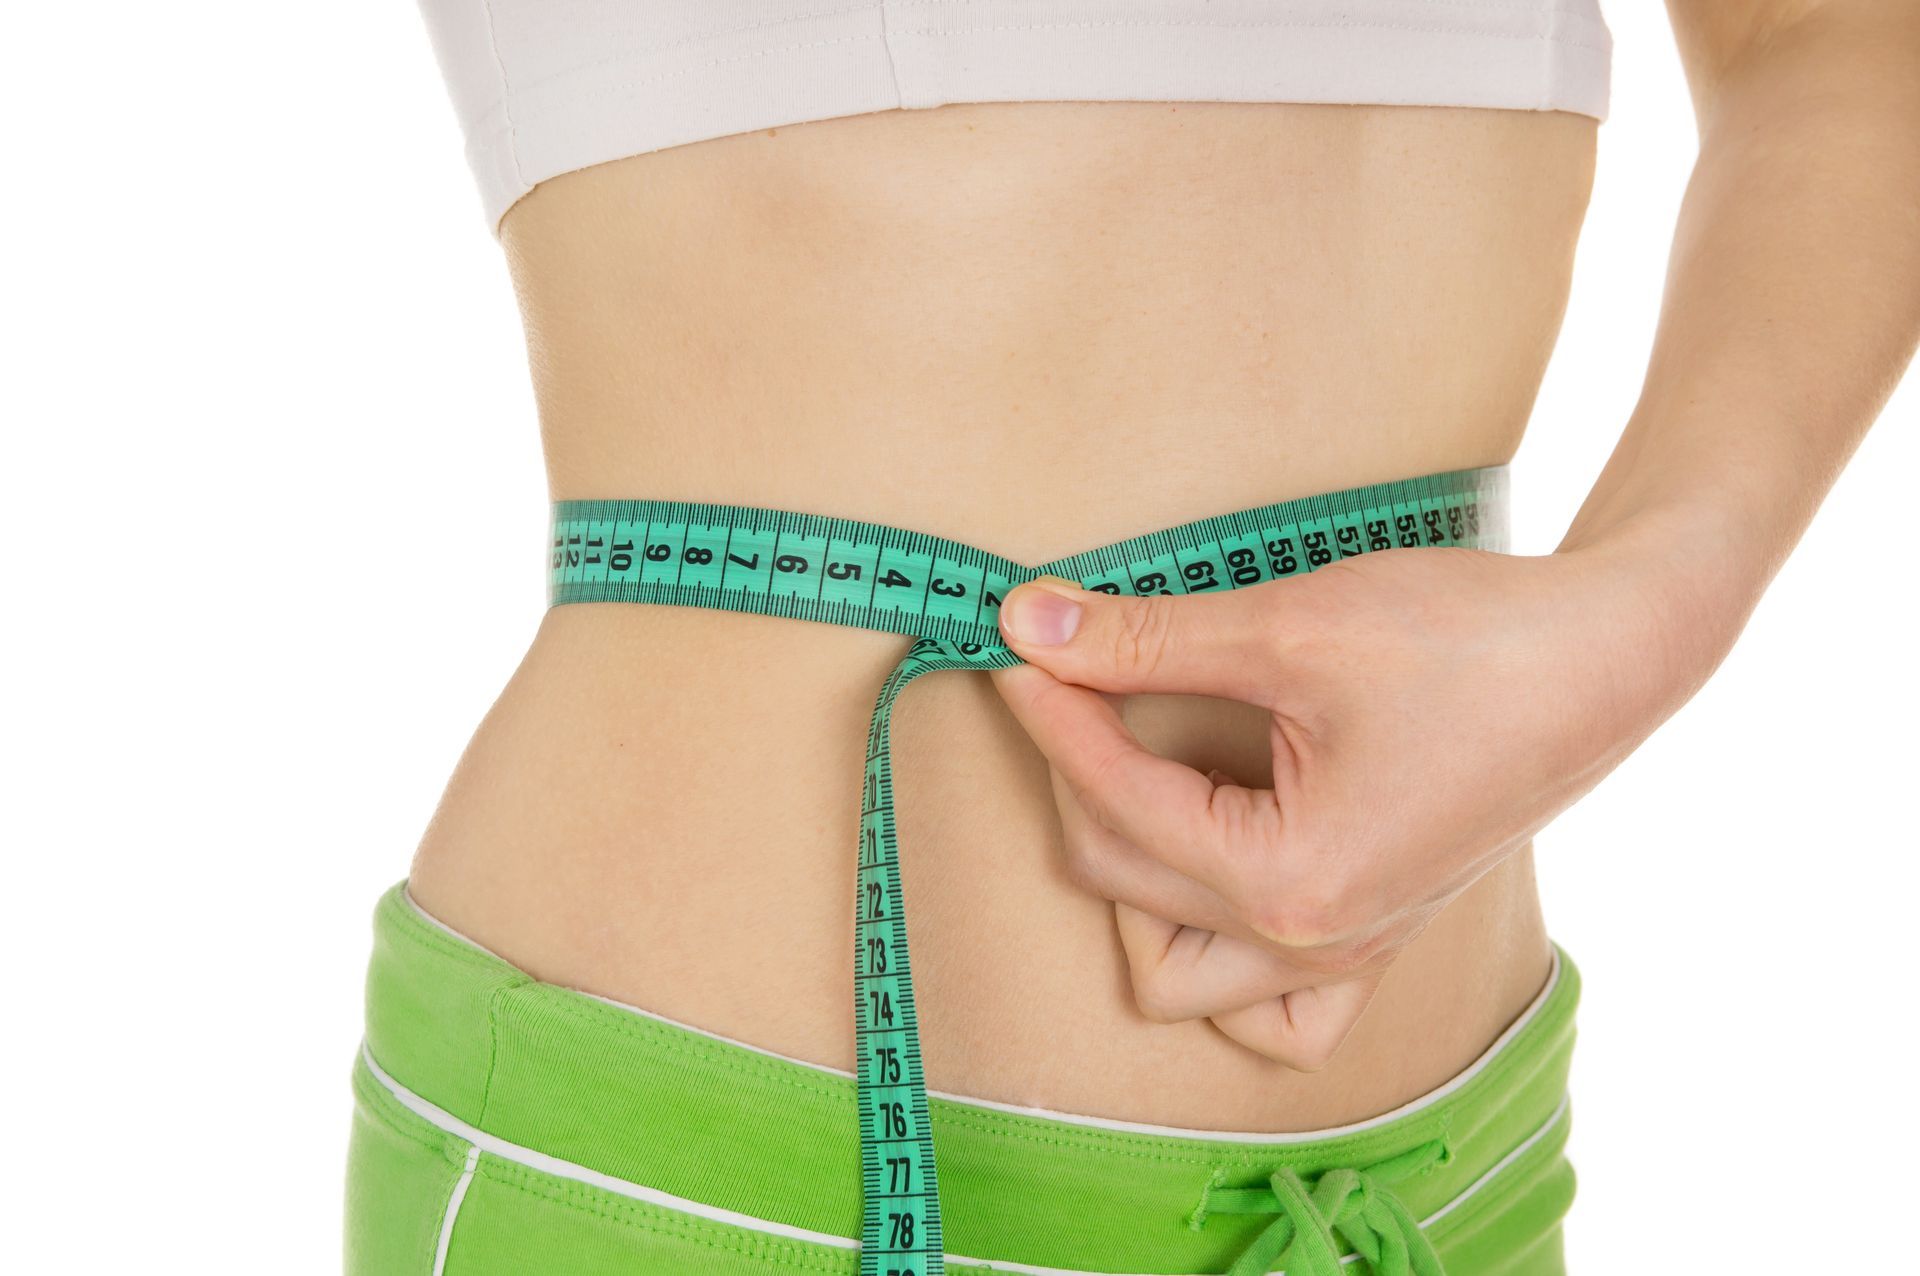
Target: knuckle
x=1140 y=634
x=1275 y=632
x=1089 y=869
x=1243 y=829
x=1310 y=1056
x=1312 y=896
x=1100 y=786
x=1156 y=998
x=1305 y=922
x=1104 y=769
x=1337 y=959
x=1043 y=693
x=1317 y=619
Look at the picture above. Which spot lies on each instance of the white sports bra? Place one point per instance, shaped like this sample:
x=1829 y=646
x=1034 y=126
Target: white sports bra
x=543 y=87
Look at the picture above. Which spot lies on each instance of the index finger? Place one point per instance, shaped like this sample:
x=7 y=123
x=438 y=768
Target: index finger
x=1170 y=811
x=1302 y=1029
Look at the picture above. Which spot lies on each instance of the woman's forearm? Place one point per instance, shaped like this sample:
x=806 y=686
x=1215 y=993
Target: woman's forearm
x=1792 y=304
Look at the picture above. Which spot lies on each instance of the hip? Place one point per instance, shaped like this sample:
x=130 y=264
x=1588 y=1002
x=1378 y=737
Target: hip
x=504 y=1124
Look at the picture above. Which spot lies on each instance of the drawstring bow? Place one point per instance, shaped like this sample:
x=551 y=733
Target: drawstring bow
x=1310 y=1220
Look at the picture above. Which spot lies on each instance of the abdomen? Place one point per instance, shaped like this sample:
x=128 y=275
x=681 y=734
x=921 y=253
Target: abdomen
x=1035 y=328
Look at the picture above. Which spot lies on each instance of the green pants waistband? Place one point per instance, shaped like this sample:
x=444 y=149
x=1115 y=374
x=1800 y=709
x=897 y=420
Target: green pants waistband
x=542 y=1081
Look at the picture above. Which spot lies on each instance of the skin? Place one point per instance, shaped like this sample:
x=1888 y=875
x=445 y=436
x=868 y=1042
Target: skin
x=1037 y=328
x=1792 y=308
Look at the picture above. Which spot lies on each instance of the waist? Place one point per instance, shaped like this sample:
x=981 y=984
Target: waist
x=641 y=746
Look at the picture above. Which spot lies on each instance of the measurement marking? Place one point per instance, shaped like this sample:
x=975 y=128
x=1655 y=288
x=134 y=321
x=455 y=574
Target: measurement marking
x=1443 y=510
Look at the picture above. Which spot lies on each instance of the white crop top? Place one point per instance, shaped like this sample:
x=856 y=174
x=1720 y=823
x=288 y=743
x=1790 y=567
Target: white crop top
x=543 y=87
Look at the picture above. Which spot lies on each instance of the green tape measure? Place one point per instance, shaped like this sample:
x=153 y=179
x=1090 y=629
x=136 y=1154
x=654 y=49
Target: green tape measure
x=947 y=596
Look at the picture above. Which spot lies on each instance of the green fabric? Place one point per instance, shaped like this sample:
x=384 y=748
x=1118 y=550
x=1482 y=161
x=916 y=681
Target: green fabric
x=647 y=1102
x=400 y=1174
x=1353 y=1203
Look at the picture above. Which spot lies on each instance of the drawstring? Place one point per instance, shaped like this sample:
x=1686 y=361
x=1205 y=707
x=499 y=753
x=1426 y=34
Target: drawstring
x=1352 y=1204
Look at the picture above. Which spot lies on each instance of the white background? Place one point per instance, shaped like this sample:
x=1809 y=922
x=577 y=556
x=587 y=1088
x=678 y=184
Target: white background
x=264 y=387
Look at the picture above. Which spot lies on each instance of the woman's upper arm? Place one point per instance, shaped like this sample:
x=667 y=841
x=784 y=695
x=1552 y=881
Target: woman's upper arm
x=1716 y=38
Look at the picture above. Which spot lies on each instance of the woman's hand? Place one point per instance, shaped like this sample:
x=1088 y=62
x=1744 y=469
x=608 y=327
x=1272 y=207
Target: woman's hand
x=1431 y=708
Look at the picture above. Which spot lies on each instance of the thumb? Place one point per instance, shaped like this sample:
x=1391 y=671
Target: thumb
x=1193 y=644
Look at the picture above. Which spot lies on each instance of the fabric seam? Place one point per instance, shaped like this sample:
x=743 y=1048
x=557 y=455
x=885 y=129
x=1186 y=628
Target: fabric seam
x=382 y=1106
x=626 y=86
x=442 y=939
x=450 y=1212
x=644 y=1214
x=1010 y=1125
x=493 y=1051
x=599 y=1198
x=1546 y=56
x=1527 y=7
x=1500 y=1059
x=1539 y=1145
x=886 y=45
x=888 y=7
x=1278 y=25
x=506 y=98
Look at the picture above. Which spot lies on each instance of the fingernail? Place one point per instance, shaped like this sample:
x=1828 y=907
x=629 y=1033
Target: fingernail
x=1036 y=615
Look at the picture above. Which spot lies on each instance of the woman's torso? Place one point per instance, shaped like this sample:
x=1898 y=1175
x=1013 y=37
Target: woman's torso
x=1035 y=328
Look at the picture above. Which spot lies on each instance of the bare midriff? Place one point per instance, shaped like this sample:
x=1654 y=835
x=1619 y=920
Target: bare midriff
x=1035 y=328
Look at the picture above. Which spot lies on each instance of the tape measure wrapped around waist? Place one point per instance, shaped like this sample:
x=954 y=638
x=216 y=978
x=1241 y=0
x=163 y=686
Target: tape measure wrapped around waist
x=947 y=596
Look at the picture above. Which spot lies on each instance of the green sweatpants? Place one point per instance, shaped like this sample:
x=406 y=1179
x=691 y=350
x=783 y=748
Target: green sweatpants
x=507 y=1126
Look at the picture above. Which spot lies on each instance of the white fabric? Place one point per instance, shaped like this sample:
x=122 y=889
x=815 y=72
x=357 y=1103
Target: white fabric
x=543 y=87
x=451 y=1214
